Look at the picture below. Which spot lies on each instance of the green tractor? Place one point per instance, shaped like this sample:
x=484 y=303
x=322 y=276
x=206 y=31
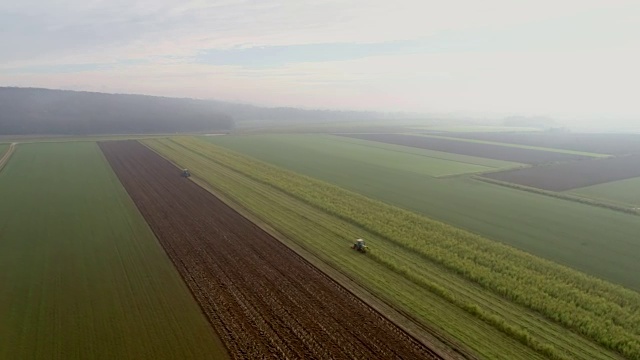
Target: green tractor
x=185 y=173
x=360 y=246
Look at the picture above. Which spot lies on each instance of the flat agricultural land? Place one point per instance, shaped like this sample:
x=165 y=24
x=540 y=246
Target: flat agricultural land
x=605 y=246
x=563 y=177
x=612 y=144
x=511 y=145
x=623 y=192
x=264 y=299
x=497 y=302
x=81 y=274
x=491 y=151
x=342 y=150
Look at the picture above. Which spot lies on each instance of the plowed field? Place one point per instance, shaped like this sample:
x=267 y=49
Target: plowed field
x=262 y=298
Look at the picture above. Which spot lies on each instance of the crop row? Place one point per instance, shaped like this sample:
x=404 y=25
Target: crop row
x=81 y=274
x=550 y=228
x=328 y=237
x=272 y=303
x=607 y=313
x=432 y=294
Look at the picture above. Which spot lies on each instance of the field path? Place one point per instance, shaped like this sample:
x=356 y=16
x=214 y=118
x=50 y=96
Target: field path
x=7 y=155
x=264 y=300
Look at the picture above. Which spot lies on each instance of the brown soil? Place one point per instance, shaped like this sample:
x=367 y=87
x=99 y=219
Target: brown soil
x=263 y=299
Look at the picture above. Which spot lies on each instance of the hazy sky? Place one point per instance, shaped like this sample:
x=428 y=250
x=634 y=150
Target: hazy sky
x=548 y=57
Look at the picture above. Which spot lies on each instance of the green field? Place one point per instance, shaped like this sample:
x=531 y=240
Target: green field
x=605 y=246
x=623 y=192
x=335 y=150
x=81 y=274
x=469 y=288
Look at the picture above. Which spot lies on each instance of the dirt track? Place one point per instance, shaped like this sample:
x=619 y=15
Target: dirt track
x=7 y=155
x=264 y=300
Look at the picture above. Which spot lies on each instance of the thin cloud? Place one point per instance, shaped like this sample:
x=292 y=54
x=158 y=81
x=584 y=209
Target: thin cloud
x=553 y=57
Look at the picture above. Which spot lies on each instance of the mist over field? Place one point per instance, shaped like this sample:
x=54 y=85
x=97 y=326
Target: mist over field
x=461 y=61
x=371 y=179
x=33 y=111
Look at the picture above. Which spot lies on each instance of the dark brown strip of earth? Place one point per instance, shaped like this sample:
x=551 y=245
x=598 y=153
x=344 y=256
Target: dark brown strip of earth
x=261 y=297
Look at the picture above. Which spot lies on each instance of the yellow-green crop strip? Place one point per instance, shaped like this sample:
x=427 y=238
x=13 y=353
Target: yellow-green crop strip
x=594 y=240
x=527 y=299
x=81 y=274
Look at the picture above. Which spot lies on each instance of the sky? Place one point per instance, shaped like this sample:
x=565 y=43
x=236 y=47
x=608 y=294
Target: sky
x=560 y=58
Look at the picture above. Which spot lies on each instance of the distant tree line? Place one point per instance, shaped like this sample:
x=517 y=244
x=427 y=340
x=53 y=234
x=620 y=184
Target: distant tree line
x=26 y=111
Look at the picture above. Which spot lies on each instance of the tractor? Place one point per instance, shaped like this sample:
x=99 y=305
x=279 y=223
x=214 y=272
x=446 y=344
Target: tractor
x=185 y=173
x=360 y=246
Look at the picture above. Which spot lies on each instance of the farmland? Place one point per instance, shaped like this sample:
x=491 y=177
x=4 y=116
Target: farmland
x=81 y=274
x=491 y=151
x=604 y=246
x=221 y=266
x=510 y=145
x=624 y=192
x=563 y=177
x=263 y=299
x=338 y=150
x=497 y=301
x=613 y=144
x=6 y=150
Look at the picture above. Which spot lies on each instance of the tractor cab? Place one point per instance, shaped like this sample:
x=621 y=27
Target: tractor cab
x=360 y=246
x=185 y=173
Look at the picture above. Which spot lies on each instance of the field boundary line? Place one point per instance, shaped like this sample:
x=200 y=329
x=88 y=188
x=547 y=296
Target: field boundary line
x=431 y=338
x=559 y=195
x=528 y=147
x=609 y=306
x=7 y=155
x=466 y=307
x=441 y=345
x=492 y=168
